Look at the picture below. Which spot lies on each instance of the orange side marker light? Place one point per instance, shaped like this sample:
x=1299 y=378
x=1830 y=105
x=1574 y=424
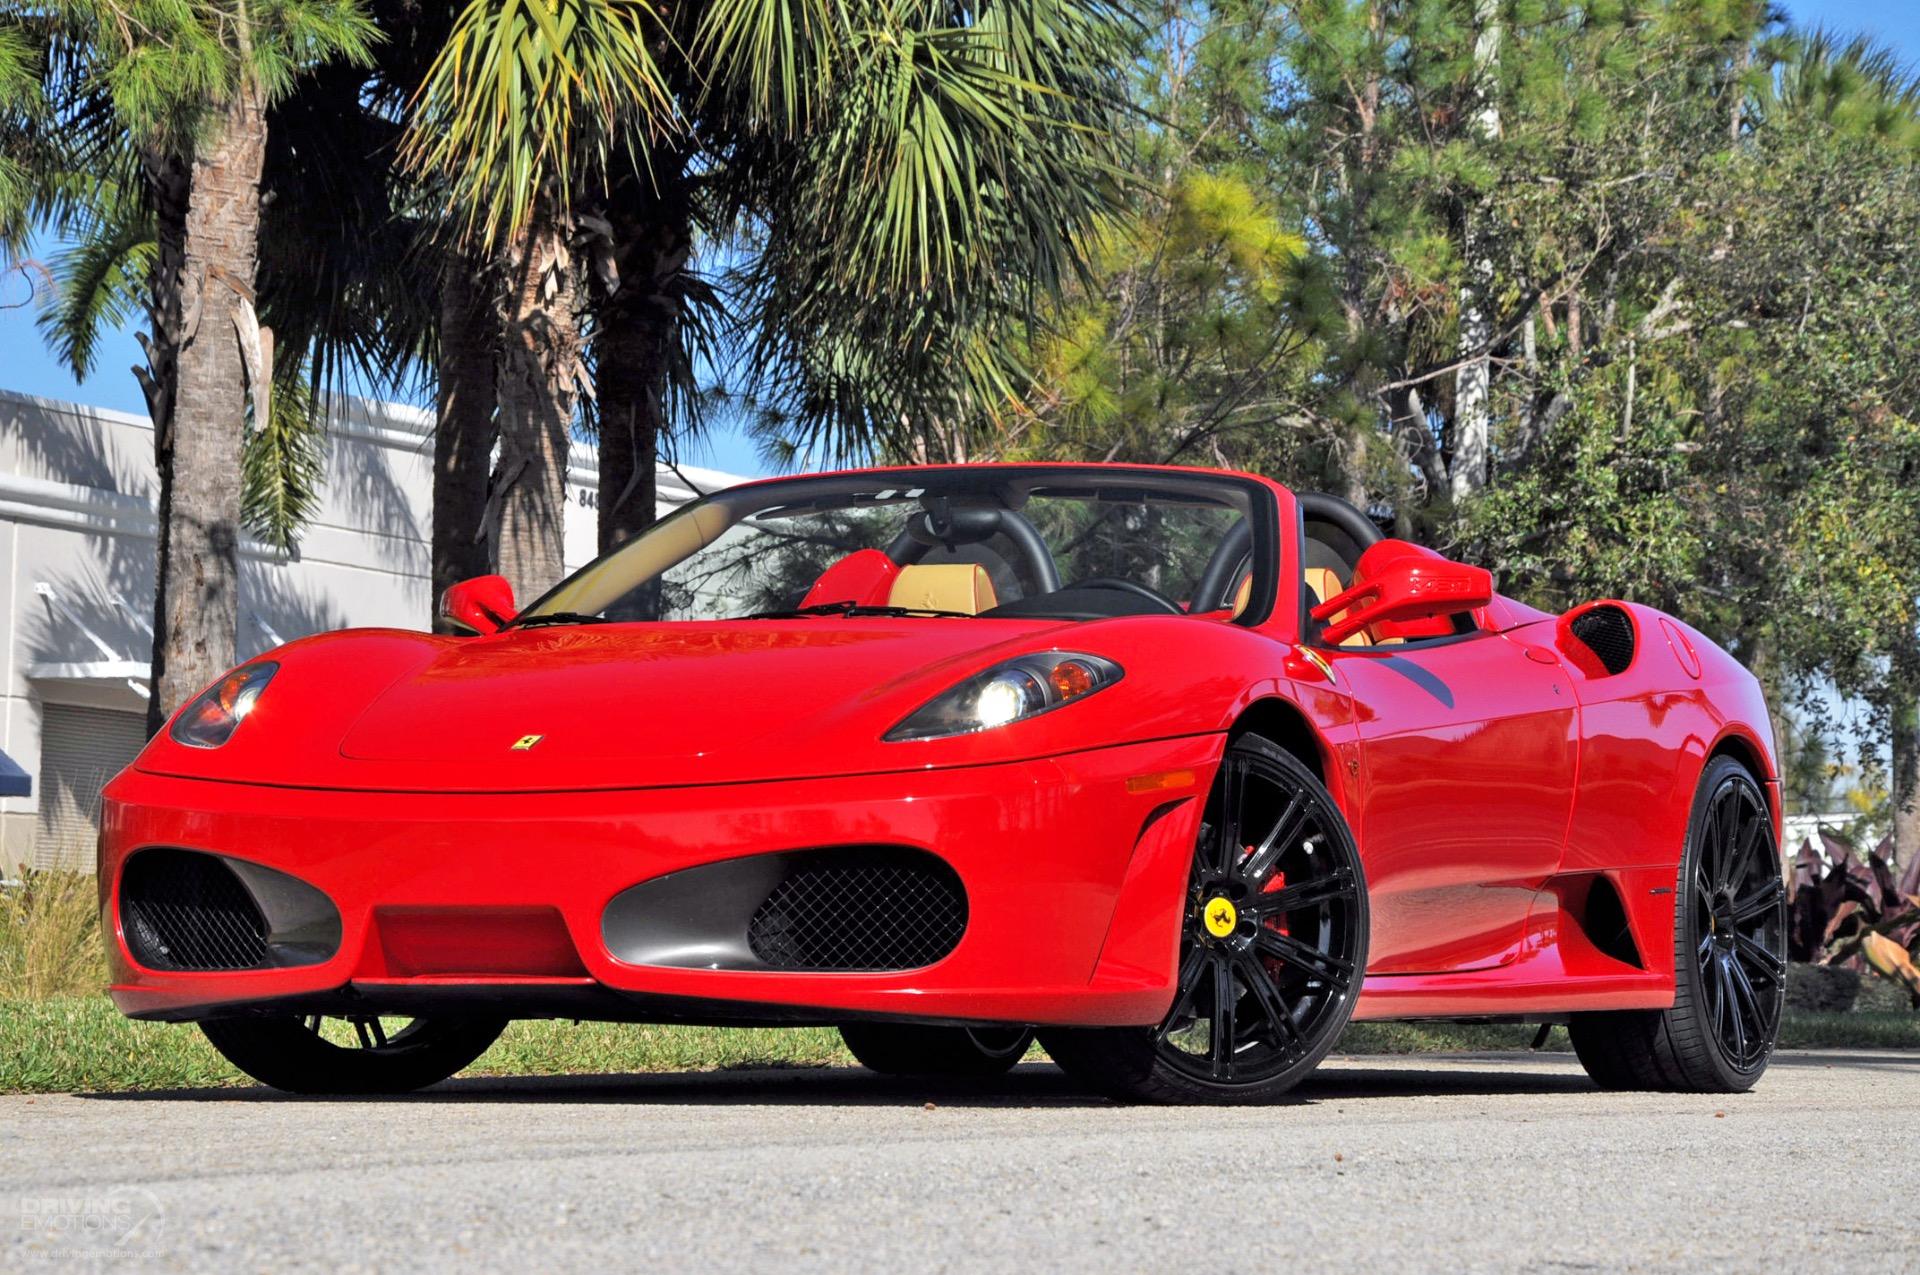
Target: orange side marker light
x=1161 y=781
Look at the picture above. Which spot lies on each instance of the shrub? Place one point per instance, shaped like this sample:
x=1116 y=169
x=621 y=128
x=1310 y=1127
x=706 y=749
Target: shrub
x=1849 y=909
x=50 y=935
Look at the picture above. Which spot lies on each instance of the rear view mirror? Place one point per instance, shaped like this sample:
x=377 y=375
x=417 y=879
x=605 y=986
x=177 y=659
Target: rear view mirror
x=1397 y=581
x=483 y=604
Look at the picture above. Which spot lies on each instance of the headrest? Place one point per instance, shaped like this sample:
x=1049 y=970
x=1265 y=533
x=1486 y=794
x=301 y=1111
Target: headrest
x=1323 y=584
x=944 y=586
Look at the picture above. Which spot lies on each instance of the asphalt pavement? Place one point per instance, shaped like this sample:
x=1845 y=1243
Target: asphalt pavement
x=1487 y=1162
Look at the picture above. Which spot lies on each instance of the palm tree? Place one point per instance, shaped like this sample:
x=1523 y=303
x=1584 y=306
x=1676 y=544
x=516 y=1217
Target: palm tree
x=1855 y=85
x=351 y=279
x=176 y=98
x=896 y=174
x=22 y=131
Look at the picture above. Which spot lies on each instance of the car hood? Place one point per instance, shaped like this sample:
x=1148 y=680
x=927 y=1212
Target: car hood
x=602 y=706
x=642 y=693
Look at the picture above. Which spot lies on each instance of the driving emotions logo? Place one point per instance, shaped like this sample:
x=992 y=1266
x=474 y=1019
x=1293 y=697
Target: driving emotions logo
x=118 y=1217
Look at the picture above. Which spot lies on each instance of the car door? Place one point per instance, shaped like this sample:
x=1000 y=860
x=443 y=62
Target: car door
x=1468 y=747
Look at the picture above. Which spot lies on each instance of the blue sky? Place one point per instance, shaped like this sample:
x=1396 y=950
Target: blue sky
x=25 y=364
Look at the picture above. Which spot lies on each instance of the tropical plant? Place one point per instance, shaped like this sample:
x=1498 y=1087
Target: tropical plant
x=171 y=99
x=21 y=129
x=894 y=177
x=1845 y=908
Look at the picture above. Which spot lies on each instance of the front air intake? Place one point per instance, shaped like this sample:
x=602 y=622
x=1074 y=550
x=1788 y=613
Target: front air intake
x=862 y=910
x=1607 y=631
x=182 y=910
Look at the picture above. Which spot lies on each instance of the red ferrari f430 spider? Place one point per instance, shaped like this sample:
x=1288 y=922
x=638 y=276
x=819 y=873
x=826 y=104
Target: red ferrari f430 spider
x=1178 y=769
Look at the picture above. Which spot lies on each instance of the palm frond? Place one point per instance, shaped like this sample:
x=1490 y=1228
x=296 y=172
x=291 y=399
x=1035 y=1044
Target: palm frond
x=777 y=59
x=100 y=281
x=22 y=112
x=1852 y=83
x=284 y=465
x=958 y=174
x=531 y=98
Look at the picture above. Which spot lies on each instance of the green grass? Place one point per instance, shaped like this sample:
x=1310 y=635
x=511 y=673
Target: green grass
x=80 y=1043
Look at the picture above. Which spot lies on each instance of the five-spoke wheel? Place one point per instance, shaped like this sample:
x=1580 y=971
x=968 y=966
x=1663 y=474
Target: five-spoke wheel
x=1272 y=951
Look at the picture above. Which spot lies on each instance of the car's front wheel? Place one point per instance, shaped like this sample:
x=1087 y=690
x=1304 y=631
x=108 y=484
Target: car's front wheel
x=903 y=1049
x=1730 y=957
x=1272 y=952
x=361 y=1055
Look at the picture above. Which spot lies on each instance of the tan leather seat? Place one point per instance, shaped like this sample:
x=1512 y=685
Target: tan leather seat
x=944 y=586
x=1323 y=584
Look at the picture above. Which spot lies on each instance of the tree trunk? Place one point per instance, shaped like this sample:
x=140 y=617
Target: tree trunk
x=1472 y=386
x=464 y=428
x=1906 y=778
x=198 y=385
x=642 y=303
x=537 y=392
x=630 y=377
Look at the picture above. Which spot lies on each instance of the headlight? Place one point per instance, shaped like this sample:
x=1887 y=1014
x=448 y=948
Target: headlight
x=210 y=721
x=1010 y=692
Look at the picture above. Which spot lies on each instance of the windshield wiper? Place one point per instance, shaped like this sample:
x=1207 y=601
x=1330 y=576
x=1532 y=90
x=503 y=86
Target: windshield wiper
x=850 y=608
x=558 y=617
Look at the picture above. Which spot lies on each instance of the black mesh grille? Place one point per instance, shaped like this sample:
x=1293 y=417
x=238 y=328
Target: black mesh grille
x=1608 y=633
x=187 y=911
x=860 y=911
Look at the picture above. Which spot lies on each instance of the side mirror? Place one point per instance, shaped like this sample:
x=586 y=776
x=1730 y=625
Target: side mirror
x=483 y=604
x=1397 y=581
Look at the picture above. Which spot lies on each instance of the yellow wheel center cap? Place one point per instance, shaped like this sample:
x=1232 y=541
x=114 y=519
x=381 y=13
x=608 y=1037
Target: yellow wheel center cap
x=1220 y=917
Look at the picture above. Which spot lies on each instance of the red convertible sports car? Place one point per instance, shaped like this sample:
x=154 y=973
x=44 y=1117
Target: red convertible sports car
x=1154 y=762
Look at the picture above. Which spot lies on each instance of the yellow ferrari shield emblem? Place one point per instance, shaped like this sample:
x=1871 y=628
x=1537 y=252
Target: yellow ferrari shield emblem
x=1220 y=917
x=525 y=742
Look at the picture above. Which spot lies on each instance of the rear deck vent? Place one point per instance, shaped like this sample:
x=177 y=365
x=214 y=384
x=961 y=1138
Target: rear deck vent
x=182 y=910
x=1608 y=633
x=862 y=910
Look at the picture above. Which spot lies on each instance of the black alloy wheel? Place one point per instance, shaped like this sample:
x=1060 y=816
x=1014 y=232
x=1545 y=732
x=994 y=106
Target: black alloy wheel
x=1273 y=947
x=1730 y=957
x=365 y=1054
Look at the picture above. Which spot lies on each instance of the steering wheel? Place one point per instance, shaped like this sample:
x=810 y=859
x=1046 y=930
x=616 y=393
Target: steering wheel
x=1159 y=600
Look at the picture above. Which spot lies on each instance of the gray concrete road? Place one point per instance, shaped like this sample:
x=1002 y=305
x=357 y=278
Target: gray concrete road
x=1446 y=1164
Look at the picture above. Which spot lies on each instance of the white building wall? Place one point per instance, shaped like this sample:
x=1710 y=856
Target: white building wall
x=77 y=531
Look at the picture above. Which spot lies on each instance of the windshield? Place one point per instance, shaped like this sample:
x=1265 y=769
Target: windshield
x=981 y=541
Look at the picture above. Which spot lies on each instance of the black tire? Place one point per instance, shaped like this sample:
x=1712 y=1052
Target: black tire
x=293 y=1053
x=1730 y=957
x=1282 y=977
x=902 y=1049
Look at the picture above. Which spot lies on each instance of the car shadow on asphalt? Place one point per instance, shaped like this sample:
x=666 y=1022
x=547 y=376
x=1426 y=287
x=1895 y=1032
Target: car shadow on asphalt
x=1033 y=1084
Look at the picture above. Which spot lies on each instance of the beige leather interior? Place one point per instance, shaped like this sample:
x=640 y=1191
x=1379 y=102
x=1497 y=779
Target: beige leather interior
x=944 y=586
x=1323 y=584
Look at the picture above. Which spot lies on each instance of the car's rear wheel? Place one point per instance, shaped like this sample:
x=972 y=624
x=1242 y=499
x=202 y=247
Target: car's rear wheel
x=901 y=1049
x=315 y=1054
x=1272 y=952
x=1730 y=953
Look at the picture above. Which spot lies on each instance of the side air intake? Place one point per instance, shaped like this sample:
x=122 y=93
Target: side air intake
x=868 y=908
x=187 y=910
x=1606 y=632
x=875 y=912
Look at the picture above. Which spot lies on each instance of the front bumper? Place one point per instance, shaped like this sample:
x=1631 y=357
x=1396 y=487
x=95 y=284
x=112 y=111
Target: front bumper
x=1074 y=868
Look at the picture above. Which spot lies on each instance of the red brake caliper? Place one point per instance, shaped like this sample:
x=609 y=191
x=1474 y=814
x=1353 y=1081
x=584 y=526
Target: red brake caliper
x=1278 y=881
